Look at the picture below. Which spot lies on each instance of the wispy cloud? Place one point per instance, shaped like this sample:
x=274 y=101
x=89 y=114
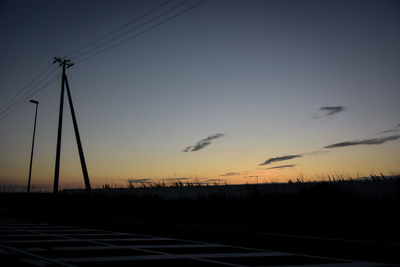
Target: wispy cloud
x=282 y=166
x=146 y=180
x=289 y=157
x=372 y=141
x=328 y=111
x=202 y=143
x=393 y=130
x=332 y=110
x=389 y=131
x=213 y=180
x=177 y=178
x=231 y=174
x=277 y=159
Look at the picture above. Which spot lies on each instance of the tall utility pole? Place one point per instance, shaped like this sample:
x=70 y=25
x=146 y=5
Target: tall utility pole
x=64 y=63
x=60 y=118
x=33 y=145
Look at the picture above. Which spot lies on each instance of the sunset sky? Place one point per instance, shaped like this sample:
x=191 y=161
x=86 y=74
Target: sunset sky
x=236 y=90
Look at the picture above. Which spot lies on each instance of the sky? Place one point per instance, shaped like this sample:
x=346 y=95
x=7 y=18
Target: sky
x=231 y=91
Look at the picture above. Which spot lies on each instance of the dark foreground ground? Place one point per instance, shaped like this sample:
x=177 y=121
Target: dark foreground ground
x=324 y=221
x=42 y=244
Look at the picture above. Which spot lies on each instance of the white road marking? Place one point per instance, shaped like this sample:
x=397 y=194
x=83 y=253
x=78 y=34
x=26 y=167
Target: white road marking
x=36 y=256
x=35 y=249
x=98 y=234
x=11 y=230
x=347 y=264
x=66 y=234
x=170 y=257
x=24 y=235
x=70 y=230
x=86 y=240
x=37 y=241
x=328 y=239
x=137 y=246
x=37 y=262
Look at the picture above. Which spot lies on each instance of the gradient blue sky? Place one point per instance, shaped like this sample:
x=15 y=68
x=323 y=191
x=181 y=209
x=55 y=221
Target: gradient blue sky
x=257 y=72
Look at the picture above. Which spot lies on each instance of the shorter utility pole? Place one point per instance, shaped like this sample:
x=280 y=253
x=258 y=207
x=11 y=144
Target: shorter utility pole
x=33 y=145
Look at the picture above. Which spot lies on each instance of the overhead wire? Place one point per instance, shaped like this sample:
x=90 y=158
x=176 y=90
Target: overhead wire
x=118 y=29
x=31 y=88
x=16 y=102
x=131 y=30
x=142 y=32
x=22 y=101
x=27 y=94
x=27 y=86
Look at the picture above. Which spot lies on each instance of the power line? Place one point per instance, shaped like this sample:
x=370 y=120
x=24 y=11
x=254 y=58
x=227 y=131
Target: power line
x=17 y=100
x=11 y=104
x=142 y=32
x=56 y=77
x=27 y=86
x=27 y=96
x=131 y=30
x=118 y=29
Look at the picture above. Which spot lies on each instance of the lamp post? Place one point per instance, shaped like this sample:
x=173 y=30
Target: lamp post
x=33 y=144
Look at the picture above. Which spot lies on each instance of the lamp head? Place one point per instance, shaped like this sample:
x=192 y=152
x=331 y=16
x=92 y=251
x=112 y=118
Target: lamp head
x=34 y=101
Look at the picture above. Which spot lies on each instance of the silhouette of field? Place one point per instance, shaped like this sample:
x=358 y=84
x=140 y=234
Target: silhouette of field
x=354 y=220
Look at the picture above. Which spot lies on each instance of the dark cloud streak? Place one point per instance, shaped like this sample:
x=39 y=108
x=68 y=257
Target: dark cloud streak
x=202 y=143
x=389 y=131
x=329 y=111
x=332 y=110
x=213 y=180
x=277 y=159
x=230 y=174
x=282 y=166
x=372 y=141
x=394 y=130
x=145 y=180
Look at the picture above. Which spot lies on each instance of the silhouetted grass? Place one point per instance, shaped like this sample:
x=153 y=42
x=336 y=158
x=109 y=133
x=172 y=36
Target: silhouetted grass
x=328 y=208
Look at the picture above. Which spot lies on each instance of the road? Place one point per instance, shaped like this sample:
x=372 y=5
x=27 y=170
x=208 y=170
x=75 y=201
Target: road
x=34 y=244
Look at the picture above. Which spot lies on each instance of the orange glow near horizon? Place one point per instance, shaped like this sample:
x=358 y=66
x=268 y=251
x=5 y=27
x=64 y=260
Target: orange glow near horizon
x=210 y=101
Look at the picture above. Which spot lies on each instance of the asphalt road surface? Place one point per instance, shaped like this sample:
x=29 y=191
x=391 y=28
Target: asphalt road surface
x=32 y=244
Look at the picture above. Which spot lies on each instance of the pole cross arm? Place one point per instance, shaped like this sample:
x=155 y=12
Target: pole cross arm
x=62 y=62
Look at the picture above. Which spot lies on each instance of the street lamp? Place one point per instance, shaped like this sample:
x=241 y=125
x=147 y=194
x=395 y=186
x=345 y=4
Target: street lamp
x=33 y=144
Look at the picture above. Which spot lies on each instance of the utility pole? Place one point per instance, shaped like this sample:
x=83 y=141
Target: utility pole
x=33 y=145
x=78 y=141
x=65 y=64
